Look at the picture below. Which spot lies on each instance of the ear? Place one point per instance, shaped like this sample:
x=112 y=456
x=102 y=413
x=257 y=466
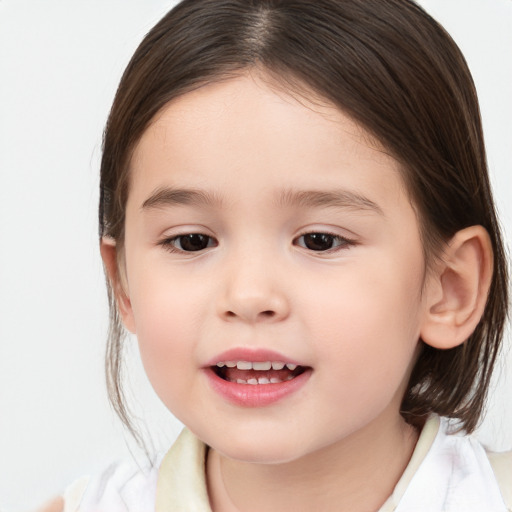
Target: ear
x=456 y=293
x=116 y=273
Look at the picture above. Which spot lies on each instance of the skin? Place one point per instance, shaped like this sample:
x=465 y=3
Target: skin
x=55 y=505
x=353 y=313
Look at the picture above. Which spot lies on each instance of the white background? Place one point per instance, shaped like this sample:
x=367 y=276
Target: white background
x=60 y=62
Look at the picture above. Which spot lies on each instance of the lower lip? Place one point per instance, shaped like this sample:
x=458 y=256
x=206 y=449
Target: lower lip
x=256 y=395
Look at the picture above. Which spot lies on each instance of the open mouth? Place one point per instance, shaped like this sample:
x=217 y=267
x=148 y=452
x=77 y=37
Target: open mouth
x=254 y=373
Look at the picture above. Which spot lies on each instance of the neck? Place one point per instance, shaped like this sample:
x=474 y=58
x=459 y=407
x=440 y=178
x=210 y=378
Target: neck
x=333 y=478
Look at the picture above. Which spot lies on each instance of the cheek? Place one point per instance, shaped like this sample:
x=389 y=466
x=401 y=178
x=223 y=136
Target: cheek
x=167 y=312
x=368 y=325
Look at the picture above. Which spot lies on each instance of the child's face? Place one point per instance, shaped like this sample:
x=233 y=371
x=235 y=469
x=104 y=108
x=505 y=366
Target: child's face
x=305 y=245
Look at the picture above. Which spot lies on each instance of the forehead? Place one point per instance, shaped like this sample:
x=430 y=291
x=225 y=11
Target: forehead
x=253 y=131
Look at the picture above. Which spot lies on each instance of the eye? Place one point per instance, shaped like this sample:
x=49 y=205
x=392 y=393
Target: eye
x=190 y=242
x=321 y=242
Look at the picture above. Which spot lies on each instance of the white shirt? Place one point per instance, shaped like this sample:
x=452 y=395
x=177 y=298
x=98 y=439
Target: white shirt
x=446 y=473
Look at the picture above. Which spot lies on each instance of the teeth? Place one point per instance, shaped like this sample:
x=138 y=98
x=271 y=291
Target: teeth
x=259 y=365
x=262 y=366
x=262 y=380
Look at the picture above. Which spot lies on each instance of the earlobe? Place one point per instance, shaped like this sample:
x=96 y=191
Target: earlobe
x=114 y=270
x=457 y=291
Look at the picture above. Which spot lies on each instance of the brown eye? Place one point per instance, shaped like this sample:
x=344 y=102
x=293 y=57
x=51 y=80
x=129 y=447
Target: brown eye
x=322 y=242
x=191 y=242
x=318 y=241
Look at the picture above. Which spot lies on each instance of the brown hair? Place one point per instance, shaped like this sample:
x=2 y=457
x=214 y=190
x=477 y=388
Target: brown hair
x=392 y=68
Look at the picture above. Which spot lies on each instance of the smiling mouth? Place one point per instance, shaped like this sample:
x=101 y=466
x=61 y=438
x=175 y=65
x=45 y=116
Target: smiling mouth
x=254 y=373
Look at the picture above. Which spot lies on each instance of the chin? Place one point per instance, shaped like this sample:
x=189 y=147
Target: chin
x=261 y=450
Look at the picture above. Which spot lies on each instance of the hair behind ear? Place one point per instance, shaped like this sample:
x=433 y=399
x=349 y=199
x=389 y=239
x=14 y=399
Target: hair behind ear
x=460 y=340
x=118 y=301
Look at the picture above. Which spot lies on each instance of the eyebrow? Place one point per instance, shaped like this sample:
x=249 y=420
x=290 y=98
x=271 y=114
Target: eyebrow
x=168 y=196
x=344 y=199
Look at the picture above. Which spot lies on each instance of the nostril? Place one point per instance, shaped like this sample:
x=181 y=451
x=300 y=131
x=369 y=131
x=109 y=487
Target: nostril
x=268 y=314
x=251 y=314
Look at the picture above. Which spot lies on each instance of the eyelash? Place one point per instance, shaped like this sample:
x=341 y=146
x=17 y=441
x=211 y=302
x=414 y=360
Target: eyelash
x=343 y=243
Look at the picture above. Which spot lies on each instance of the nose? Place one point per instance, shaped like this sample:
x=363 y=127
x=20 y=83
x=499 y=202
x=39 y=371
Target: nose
x=252 y=292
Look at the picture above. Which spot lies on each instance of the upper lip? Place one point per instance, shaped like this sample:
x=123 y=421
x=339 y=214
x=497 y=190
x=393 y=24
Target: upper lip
x=255 y=355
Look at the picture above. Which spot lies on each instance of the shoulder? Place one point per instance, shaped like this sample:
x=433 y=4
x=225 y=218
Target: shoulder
x=119 y=488
x=176 y=479
x=454 y=473
x=474 y=468
x=500 y=461
x=501 y=464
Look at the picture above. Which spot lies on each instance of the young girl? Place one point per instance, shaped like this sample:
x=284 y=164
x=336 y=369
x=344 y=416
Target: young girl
x=296 y=222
